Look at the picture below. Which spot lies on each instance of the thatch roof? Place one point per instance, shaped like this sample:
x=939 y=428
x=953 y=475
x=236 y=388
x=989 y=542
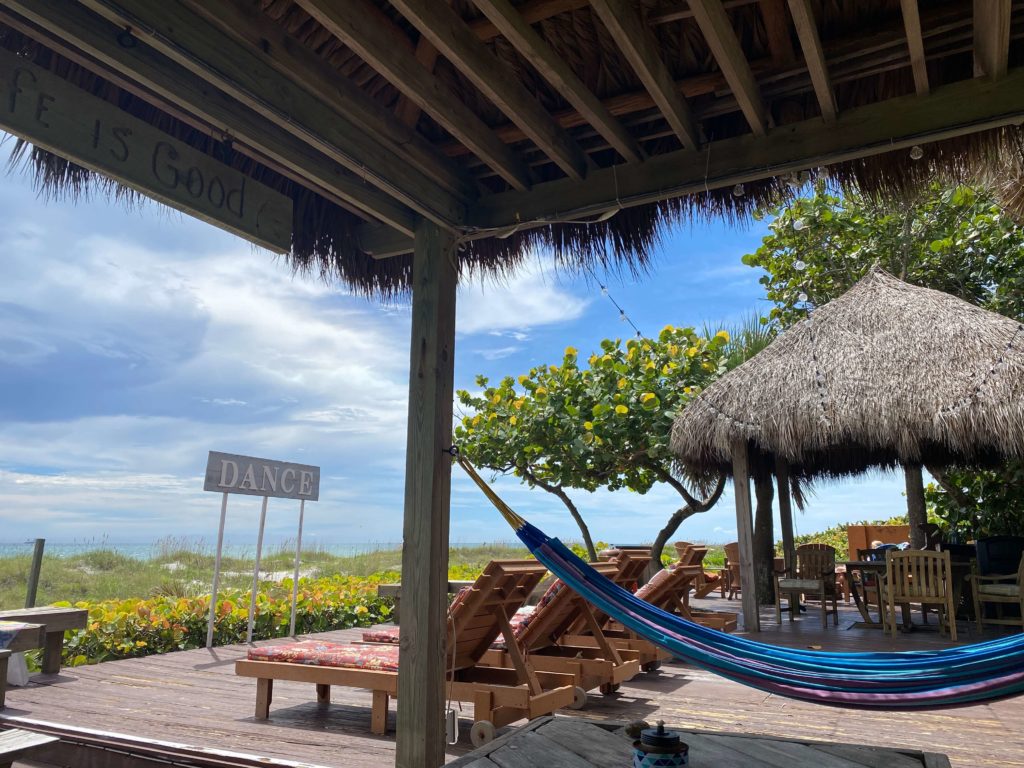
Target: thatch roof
x=886 y=373
x=864 y=46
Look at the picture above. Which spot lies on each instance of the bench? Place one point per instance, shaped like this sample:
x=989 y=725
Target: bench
x=55 y=622
x=17 y=744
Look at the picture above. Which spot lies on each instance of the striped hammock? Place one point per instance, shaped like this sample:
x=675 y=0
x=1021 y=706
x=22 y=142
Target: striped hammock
x=908 y=679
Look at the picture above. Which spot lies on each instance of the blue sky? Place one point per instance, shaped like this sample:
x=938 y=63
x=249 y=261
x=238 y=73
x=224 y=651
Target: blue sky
x=134 y=341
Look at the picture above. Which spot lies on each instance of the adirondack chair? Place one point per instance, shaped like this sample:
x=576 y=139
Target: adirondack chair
x=477 y=616
x=733 y=580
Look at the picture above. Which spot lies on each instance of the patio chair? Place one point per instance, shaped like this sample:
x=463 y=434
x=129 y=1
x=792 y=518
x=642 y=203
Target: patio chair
x=708 y=581
x=477 y=616
x=734 y=582
x=918 y=576
x=999 y=590
x=815 y=576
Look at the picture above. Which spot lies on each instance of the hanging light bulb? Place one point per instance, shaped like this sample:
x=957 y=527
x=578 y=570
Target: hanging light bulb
x=799 y=265
x=738 y=191
x=916 y=153
x=604 y=291
x=802 y=296
x=622 y=315
x=799 y=225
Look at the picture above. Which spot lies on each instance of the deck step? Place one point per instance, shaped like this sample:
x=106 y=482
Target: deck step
x=17 y=744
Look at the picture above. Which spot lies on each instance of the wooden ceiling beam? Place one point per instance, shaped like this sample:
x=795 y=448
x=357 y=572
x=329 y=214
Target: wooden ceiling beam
x=556 y=71
x=407 y=110
x=951 y=110
x=305 y=69
x=991 y=37
x=449 y=34
x=714 y=23
x=357 y=24
x=915 y=43
x=532 y=11
x=246 y=76
x=776 y=27
x=637 y=43
x=810 y=43
x=92 y=35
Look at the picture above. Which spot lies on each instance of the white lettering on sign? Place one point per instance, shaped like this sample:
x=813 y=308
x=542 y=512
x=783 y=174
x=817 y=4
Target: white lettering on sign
x=231 y=473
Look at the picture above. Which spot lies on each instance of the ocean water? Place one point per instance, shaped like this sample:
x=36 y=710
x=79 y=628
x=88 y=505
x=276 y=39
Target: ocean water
x=147 y=551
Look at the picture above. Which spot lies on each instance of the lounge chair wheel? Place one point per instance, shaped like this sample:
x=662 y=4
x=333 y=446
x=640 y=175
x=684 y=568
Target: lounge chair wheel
x=481 y=733
x=651 y=666
x=579 y=698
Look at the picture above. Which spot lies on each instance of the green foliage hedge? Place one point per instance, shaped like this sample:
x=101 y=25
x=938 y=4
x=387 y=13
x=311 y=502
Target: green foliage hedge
x=122 y=629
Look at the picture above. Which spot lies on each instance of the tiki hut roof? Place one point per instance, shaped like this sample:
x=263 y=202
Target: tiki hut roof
x=700 y=83
x=886 y=373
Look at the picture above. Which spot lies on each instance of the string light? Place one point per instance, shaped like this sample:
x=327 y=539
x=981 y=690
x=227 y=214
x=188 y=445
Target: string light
x=799 y=265
x=623 y=317
x=739 y=190
x=799 y=225
x=916 y=153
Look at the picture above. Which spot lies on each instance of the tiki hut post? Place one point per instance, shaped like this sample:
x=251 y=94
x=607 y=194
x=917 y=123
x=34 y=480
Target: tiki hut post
x=745 y=533
x=428 y=469
x=917 y=513
x=785 y=513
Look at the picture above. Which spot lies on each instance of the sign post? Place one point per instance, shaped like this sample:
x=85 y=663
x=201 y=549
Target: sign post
x=230 y=473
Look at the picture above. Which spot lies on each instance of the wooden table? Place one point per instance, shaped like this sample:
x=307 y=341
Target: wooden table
x=55 y=622
x=561 y=742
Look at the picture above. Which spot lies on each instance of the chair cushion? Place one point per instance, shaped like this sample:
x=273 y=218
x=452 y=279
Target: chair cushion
x=654 y=584
x=388 y=635
x=1003 y=590
x=522 y=619
x=317 y=653
x=712 y=577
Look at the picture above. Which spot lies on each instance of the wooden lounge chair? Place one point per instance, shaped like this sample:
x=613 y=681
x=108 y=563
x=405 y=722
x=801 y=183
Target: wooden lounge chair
x=477 y=616
x=628 y=562
x=668 y=590
x=539 y=634
x=632 y=564
x=707 y=581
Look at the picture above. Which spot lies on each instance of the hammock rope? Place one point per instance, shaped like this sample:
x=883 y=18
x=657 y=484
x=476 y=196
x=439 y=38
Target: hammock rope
x=903 y=679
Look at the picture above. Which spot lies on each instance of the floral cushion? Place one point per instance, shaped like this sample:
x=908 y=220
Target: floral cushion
x=378 y=658
x=520 y=622
x=388 y=635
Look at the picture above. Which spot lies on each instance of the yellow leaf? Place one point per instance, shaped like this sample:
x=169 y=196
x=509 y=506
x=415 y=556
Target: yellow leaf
x=512 y=420
x=622 y=383
x=646 y=396
x=723 y=335
x=476 y=420
x=518 y=404
x=523 y=379
x=665 y=370
x=692 y=352
x=588 y=425
x=650 y=365
x=496 y=399
x=570 y=351
x=621 y=409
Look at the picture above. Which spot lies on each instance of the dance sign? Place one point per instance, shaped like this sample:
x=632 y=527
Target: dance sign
x=230 y=473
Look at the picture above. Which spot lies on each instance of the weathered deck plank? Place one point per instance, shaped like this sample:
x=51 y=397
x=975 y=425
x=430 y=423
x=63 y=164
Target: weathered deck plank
x=194 y=697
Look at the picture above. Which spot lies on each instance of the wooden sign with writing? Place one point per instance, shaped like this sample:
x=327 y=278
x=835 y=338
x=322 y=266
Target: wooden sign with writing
x=51 y=113
x=231 y=473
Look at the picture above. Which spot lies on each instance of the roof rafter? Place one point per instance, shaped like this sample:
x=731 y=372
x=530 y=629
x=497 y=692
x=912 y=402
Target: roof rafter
x=714 y=23
x=450 y=35
x=915 y=42
x=532 y=12
x=150 y=69
x=556 y=71
x=637 y=43
x=991 y=37
x=225 y=63
x=874 y=129
x=776 y=27
x=304 y=68
x=357 y=23
x=810 y=43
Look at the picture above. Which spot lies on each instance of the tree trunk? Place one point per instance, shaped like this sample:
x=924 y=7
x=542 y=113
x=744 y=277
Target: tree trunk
x=662 y=538
x=917 y=515
x=558 y=491
x=764 y=536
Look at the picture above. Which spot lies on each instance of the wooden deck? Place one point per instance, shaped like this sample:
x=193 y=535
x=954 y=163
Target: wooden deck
x=193 y=698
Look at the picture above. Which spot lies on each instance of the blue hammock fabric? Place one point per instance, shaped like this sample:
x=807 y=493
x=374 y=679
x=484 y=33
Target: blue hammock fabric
x=908 y=679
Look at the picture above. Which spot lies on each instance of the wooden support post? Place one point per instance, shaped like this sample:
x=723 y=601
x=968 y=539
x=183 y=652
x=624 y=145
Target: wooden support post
x=33 y=574
x=785 y=513
x=917 y=513
x=421 y=731
x=745 y=534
